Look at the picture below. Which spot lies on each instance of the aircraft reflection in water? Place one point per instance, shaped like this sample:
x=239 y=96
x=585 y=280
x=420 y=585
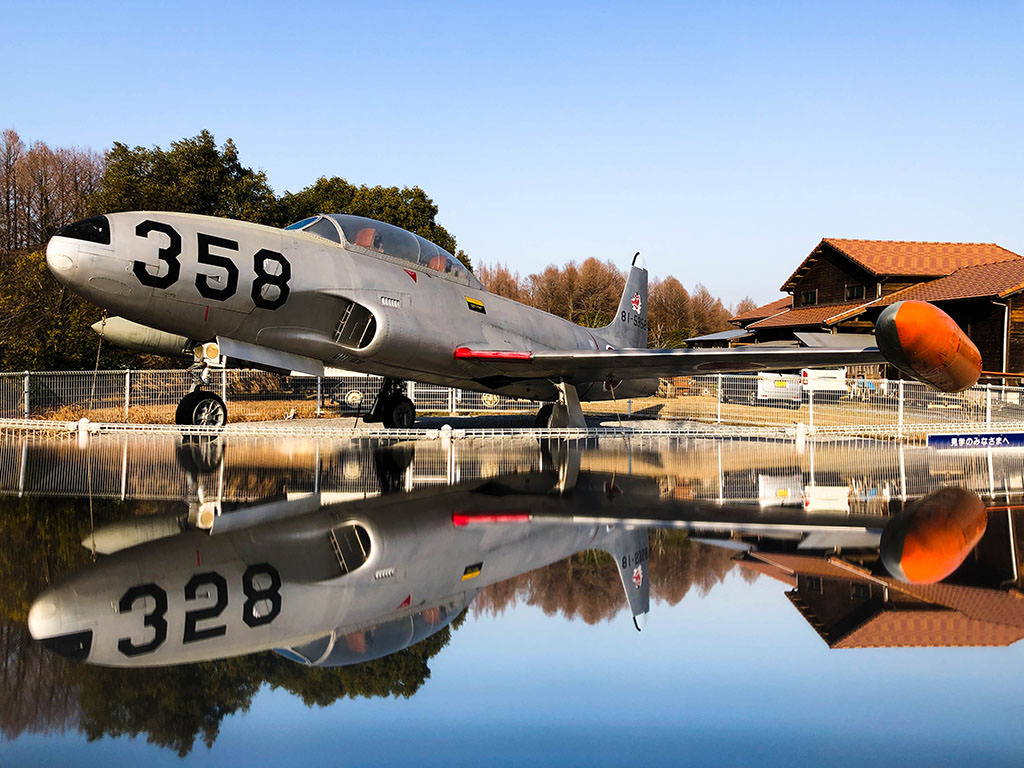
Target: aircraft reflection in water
x=873 y=554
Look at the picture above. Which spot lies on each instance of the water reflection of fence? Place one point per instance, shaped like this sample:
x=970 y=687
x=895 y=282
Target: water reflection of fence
x=875 y=406
x=858 y=475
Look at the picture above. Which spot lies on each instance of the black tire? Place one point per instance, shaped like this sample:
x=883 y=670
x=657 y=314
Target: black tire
x=200 y=455
x=399 y=413
x=544 y=416
x=201 y=408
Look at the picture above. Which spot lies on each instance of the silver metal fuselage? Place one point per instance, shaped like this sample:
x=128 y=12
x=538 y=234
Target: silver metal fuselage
x=418 y=559
x=421 y=315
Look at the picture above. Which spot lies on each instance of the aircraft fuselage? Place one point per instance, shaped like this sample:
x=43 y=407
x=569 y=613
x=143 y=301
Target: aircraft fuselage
x=292 y=292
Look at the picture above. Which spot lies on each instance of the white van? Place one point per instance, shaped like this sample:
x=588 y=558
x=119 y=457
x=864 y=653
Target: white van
x=825 y=383
x=762 y=389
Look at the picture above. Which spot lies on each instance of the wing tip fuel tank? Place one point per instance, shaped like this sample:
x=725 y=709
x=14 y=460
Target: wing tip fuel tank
x=927 y=344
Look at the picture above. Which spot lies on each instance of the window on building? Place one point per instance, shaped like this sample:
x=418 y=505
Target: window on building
x=859 y=591
x=808 y=297
x=813 y=584
x=854 y=292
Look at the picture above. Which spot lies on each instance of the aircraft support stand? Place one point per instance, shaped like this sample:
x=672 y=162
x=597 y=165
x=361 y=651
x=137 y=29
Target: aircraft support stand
x=567 y=411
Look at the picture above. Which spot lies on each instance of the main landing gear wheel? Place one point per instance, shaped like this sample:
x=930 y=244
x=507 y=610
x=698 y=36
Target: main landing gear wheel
x=398 y=413
x=544 y=416
x=392 y=408
x=201 y=408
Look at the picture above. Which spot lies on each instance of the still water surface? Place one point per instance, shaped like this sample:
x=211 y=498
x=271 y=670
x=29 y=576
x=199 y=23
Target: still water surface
x=239 y=602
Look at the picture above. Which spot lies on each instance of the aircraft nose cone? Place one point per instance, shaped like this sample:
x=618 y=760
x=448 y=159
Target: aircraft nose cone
x=42 y=618
x=46 y=625
x=61 y=256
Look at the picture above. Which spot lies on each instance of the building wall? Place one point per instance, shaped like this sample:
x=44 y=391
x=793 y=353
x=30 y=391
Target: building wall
x=1016 y=361
x=829 y=275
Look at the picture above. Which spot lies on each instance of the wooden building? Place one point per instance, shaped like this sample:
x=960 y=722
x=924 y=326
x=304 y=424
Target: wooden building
x=843 y=285
x=852 y=602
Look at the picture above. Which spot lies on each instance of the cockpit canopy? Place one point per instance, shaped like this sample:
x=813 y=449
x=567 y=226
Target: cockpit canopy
x=339 y=649
x=368 y=236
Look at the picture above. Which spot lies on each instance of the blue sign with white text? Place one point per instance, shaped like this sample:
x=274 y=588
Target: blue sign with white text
x=971 y=440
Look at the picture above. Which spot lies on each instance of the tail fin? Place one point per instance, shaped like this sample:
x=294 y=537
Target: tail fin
x=630 y=547
x=629 y=328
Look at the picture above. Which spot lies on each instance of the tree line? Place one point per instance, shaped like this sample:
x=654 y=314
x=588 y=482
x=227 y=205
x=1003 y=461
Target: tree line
x=43 y=326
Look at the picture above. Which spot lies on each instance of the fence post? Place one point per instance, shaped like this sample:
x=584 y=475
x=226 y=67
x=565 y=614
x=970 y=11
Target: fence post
x=410 y=390
x=26 y=395
x=127 y=390
x=718 y=419
x=899 y=412
x=224 y=384
x=319 y=395
x=810 y=408
x=988 y=405
x=451 y=401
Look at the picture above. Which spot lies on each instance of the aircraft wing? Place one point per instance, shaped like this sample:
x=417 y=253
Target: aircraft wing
x=595 y=365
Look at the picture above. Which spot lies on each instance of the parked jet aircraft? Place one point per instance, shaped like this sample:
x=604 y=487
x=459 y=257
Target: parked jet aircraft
x=331 y=585
x=339 y=584
x=356 y=293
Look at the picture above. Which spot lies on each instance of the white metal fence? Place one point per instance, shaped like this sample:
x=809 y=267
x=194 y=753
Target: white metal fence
x=153 y=395
x=867 y=406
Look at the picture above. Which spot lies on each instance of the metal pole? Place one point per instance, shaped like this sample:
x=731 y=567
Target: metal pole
x=810 y=408
x=124 y=470
x=899 y=416
x=26 y=395
x=224 y=384
x=319 y=398
x=988 y=405
x=718 y=420
x=127 y=391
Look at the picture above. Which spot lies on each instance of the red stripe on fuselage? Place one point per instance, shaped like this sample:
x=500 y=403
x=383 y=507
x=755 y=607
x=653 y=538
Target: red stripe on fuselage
x=468 y=518
x=465 y=353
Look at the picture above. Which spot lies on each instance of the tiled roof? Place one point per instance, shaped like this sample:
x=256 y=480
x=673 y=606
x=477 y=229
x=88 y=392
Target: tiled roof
x=911 y=258
x=765 y=310
x=814 y=315
x=769 y=569
x=996 y=606
x=982 y=281
x=932 y=628
x=808 y=565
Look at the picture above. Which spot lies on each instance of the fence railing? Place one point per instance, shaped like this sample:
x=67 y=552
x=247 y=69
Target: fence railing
x=153 y=395
x=875 y=405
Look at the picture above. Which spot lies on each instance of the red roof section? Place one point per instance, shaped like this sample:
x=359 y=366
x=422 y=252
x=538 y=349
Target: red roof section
x=909 y=258
x=926 y=628
x=985 y=280
x=814 y=315
x=765 y=310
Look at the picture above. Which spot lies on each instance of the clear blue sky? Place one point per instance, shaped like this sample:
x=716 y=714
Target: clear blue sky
x=722 y=140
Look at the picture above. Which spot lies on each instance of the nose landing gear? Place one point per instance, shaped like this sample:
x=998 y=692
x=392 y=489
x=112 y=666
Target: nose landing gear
x=201 y=407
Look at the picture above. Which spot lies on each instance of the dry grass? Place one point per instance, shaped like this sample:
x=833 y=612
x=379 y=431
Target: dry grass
x=691 y=407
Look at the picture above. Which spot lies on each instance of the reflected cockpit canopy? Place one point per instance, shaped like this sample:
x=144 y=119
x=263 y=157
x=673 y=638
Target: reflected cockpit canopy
x=339 y=649
x=369 y=236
